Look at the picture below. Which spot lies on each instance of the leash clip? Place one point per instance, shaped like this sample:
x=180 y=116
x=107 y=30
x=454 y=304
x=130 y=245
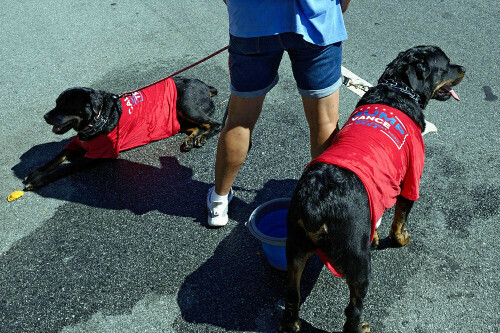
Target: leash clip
x=346 y=81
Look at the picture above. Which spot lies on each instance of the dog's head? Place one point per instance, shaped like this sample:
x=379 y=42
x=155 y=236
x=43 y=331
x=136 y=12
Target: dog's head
x=74 y=110
x=87 y=111
x=428 y=71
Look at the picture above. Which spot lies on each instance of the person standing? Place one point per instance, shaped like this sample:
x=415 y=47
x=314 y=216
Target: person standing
x=260 y=31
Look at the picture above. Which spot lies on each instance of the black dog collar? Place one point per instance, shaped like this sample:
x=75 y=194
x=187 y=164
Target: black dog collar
x=402 y=88
x=96 y=124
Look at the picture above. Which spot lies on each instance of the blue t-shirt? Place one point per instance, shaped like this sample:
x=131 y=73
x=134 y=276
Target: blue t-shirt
x=319 y=21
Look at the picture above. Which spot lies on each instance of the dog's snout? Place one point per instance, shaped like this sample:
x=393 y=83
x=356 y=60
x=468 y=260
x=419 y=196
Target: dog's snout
x=461 y=74
x=49 y=117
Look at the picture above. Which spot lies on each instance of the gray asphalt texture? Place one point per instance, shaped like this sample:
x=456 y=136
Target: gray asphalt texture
x=125 y=247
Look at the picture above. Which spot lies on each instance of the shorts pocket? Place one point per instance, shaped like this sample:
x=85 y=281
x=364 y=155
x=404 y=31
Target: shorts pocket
x=241 y=45
x=311 y=45
x=319 y=47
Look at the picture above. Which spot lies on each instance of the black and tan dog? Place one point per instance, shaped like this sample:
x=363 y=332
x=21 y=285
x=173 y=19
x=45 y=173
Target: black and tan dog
x=107 y=124
x=376 y=160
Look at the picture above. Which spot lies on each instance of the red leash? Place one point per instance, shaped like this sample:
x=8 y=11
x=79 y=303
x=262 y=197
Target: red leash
x=129 y=93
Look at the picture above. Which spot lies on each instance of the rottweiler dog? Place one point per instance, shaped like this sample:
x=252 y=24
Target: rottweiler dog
x=107 y=123
x=376 y=160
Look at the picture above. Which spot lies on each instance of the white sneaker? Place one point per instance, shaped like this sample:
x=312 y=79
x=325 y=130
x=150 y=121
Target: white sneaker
x=217 y=211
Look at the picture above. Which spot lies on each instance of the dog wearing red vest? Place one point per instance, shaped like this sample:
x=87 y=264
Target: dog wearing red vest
x=374 y=162
x=107 y=124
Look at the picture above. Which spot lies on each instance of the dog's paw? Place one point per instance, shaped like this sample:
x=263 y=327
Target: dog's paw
x=32 y=186
x=289 y=327
x=364 y=327
x=186 y=146
x=35 y=179
x=400 y=239
x=200 y=141
x=376 y=240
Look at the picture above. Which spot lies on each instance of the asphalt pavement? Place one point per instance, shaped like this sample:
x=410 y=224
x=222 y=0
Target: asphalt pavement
x=125 y=247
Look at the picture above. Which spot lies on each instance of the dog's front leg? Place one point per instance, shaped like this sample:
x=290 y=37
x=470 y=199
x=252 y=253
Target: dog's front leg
x=53 y=171
x=34 y=178
x=399 y=234
x=376 y=240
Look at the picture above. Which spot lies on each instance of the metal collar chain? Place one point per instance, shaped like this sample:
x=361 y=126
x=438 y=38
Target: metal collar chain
x=95 y=126
x=401 y=87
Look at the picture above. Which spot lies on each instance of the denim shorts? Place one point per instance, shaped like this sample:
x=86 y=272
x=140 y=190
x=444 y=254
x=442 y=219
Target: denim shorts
x=254 y=64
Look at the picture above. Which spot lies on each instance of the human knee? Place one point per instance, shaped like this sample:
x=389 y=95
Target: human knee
x=322 y=113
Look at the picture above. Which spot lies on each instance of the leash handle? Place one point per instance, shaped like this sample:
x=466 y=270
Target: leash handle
x=129 y=93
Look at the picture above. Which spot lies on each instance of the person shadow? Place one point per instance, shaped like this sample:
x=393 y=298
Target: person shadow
x=236 y=288
x=92 y=256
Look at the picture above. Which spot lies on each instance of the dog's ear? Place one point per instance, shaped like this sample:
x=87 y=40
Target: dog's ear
x=95 y=98
x=417 y=75
x=87 y=90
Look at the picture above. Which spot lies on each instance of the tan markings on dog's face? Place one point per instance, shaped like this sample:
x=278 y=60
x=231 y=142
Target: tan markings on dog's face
x=449 y=77
x=450 y=82
x=441 y=85
x=63 y=123
x=452 y=77
x=447 y=83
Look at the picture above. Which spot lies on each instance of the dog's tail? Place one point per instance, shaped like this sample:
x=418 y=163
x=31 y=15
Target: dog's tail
x=213 y=91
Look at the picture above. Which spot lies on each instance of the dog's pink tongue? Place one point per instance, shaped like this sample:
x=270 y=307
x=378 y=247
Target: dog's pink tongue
x=452 y=92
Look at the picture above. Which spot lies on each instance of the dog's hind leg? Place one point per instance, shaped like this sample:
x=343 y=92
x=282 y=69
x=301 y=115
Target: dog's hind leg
x=213 y=91
x=358 y=280
x=198 y=122
x=399 y=234
x=208 y=130
x=297 y=255
x=189 y=141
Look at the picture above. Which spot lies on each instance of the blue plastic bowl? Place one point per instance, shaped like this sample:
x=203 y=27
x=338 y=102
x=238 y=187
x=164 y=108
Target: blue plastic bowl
x=268 y=224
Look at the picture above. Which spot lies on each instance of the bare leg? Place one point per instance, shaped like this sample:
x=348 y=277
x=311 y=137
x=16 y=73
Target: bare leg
x=322 y=115
x=234 y=140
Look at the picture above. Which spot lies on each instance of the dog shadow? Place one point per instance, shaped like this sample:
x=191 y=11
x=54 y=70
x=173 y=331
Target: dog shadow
x=119 y=184
x=236 y=289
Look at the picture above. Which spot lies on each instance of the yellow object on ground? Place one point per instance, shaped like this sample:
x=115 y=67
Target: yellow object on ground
x=15 y=195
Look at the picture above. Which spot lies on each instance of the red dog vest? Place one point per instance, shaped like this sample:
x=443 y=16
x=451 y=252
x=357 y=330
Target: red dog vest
x=147 y=115
x=385 y=149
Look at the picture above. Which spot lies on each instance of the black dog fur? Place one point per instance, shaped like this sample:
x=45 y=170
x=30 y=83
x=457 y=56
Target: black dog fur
x=76 y=108
x=329 y=209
